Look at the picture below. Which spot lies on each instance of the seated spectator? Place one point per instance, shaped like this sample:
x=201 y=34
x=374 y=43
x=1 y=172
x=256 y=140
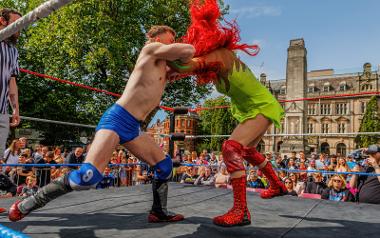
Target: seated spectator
x=213 y=161
x=7 y=188
x=285 y=160
x=194 y=157
x=254 y=181
x=342 y=166
x=220 y=161
x=290 y=187
x=139 y=172
x=58 y=155
x=222 y=178
x=312 y=167
x=202 y=160
x=189 y=176
x=206 y=155
x=302 y=159
x=107 y=181
x=333 y=163
x=120 y=155
x=277 y=162
x=263 y=179
x=11 y=154
x=298 y=186
x=205 y=177
x=316 y=185
x=268 y=156
x=37 y=153
x=30 y=188
x=368 y=186
x=302 y=175
x=292 y=164
x=322 y=162
x=75 y=157
x=351 y=162
x=282 y=174
x=336 y=189
x=23 y=171
x=114 y=158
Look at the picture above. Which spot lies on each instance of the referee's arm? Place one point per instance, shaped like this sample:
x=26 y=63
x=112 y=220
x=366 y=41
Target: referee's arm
x=13 y=99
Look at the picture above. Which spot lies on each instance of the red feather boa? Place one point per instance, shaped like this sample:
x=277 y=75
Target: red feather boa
x=206 y=34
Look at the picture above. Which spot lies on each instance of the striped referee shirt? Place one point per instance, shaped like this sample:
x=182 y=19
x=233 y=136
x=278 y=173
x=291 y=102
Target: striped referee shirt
x=8 y=68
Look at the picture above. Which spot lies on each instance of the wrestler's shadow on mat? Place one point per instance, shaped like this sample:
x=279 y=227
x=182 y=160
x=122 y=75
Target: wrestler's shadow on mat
x=340 y=227
x=84 y=225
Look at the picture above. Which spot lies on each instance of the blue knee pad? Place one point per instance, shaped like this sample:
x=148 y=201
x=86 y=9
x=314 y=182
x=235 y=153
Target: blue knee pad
x=85 y=178
x=163 y=169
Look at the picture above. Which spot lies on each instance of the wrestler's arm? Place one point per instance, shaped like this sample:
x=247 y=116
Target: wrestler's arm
x=211 y=61
x=176 y=51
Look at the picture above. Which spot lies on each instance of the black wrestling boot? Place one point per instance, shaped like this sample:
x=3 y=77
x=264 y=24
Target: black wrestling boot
x=159 y=211
x=51 y=191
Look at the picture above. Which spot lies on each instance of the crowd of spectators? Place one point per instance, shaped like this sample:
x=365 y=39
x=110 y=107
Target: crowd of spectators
x=24 y=170
x=304 y=176
x=320 y=176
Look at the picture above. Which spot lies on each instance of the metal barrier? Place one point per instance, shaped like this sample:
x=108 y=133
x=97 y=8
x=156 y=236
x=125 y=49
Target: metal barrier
x=121 y=174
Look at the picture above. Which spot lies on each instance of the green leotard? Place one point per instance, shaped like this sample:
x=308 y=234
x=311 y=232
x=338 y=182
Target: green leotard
x=249 y=97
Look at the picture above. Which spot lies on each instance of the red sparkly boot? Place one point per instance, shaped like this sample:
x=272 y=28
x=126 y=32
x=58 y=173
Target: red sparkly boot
x=239 y=214
x=276 y=187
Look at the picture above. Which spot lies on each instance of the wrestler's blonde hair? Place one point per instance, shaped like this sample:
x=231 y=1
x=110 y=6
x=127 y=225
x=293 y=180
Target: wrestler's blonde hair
x=159 y=29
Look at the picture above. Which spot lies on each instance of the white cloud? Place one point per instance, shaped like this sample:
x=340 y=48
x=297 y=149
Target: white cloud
x=257 y=11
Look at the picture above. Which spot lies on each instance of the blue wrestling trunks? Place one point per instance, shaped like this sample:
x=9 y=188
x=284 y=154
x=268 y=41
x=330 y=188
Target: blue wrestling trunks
x=119 y=120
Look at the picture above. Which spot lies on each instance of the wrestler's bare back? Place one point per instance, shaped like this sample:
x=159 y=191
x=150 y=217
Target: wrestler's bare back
x=147 y=82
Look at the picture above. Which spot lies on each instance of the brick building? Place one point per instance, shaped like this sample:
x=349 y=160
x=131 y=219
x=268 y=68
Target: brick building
x=339 y=115
x=183 y=124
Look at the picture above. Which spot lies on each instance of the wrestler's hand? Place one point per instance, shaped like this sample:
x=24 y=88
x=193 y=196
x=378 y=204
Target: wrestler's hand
x=180 y=67
x=173 y=76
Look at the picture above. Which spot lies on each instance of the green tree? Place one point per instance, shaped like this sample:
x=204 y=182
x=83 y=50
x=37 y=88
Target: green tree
x=215 y=122
x=370 y=123
x=95 y=43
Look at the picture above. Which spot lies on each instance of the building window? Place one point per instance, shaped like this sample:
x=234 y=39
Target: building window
x=283 y=90
x=311 y=89
x=310 y=128
x=325 y=128
x=282 y=127
x=311 y=109
x=182 y=123
x=363 y=107
x=342 y=127
x=188 y=123
x=366 y=87
x=341 y=108
x=343 y=86
x=326 y=87
x=325 y=109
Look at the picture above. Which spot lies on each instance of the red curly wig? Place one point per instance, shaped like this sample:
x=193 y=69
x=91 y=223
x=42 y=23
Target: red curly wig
x=206 y=33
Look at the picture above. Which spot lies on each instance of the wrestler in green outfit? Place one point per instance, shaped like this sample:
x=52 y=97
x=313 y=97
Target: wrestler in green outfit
x=255 y=108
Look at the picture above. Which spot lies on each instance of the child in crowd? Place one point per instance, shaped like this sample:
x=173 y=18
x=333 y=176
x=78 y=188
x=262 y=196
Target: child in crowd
x=30 y=188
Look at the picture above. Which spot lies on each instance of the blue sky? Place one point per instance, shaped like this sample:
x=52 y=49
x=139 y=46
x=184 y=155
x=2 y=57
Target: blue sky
x=339 y=34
